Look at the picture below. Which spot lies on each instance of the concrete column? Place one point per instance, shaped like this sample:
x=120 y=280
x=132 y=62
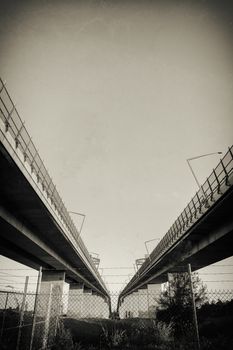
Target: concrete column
x=122 y=308
x=135 y=300
x=50 y=305
x=97 y=305
x=154 y=291
x=130 y=306
x=106 y=307
x=87 y=305
x=76 y=300
x=143 y=303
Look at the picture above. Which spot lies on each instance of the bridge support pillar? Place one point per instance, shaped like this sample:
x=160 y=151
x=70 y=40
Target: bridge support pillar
x=130 y=306
x=76 y=300
x=87 y=302
x=51 y=305
x=153 y=292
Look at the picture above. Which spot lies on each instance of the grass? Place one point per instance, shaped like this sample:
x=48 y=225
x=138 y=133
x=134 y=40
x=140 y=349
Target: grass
x=215 y=327
x=116 y=334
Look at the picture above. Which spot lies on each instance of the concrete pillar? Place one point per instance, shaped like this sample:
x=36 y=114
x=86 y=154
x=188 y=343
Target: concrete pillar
x=106 y=305
x=97 y=306
x=136 y=304
x=75 y=300
x=122 y=308
x=53 y=282
x=102 y=306
x=154 y=291
x=51 y=305
x=87 y=302
x=143 y=302
x=129 y=304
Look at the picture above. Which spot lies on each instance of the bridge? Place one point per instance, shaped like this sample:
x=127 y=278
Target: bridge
x=200 y=236
x=37 y=230
x=35 y=226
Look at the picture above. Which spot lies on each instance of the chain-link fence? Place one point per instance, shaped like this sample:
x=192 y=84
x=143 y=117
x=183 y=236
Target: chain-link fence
x=147 y=319
x=15 y=321
x=30 y=321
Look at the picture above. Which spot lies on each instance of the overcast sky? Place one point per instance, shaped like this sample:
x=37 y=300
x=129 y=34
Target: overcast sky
x=117 y=95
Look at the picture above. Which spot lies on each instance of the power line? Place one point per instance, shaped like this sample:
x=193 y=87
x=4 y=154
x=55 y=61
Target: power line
x=112 y=267
x=117 y=275
x=216 y=273
x=219 y=281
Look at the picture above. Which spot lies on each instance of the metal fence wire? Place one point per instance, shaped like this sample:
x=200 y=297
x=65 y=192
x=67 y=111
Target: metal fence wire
x=149 y=317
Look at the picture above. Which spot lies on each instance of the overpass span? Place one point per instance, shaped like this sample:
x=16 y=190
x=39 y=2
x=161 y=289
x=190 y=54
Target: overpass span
x=201 y=235
x=35 y=226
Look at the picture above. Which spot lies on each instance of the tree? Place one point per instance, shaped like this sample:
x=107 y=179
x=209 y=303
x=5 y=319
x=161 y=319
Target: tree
x=175 y=303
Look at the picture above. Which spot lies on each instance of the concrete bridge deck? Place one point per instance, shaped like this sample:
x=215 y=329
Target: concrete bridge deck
x=35 y=226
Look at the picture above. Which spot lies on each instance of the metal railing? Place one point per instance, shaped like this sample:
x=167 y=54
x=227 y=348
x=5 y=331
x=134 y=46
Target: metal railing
x=203 y=199
x=23 y=142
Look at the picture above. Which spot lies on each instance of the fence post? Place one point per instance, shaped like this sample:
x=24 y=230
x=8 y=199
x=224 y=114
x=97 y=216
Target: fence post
x=169 y=286
x=47 y=319
x=148 y=301
x=4 y=315
x=35 y=308
x=137 y=296
x=22 y=311
x=194 y=309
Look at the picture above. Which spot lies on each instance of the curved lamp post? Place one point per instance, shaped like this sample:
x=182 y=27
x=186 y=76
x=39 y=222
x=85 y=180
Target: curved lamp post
x=95 y=259
x=83 y=216
x=191 y=169
x=150 y=240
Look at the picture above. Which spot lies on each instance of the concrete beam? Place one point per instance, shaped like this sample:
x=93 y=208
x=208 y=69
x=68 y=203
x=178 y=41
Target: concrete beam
x=27 y=241
x=76 y=286
x=87 y=290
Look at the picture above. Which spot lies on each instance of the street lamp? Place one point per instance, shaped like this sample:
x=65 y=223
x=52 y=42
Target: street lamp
x=95 y=259
x=150 y=240
x=191 y=169
x=139 y=262
x=83 y=219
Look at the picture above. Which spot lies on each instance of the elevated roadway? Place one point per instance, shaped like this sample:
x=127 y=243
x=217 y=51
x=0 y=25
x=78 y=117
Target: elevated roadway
x=201 y=235
x=35 y=226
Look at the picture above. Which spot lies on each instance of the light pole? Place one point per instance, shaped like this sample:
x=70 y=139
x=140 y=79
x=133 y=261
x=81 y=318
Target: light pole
x=139 y=262
x=191 y=169
x=150 y=240
x=95 y=259
x=83 y=216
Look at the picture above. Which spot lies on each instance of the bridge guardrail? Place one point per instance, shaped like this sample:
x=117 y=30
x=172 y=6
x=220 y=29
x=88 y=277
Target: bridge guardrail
x=202 y=198
x=23 y=141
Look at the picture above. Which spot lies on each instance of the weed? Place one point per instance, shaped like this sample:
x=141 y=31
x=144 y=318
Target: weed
x=64 y=341
x=165 y=331
x=113 y=337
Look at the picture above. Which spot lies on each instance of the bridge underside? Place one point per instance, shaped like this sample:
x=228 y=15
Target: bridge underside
x=28 y=232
